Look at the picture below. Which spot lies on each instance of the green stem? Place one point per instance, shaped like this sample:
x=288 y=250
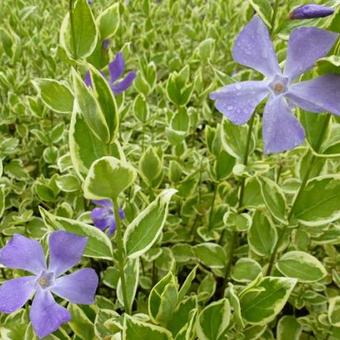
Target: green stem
x=212 y=205
x=240 y=203
x=121 y=254
x=245 y=159
x=303 y=184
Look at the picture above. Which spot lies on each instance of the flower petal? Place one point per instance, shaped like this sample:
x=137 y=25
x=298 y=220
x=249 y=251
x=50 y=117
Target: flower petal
x=66 y=250
x=112 y=227
x=305 y=46
x=124 y=84
x=23 y=253
x=46 y=315
x=254 y=48
x=78 y=287
x=15 y=293
x=87 y=79
x=281 y=130
x=102 y=218
x=317 y=95
x=238 y=101
x=116 y=67
x=103 y=203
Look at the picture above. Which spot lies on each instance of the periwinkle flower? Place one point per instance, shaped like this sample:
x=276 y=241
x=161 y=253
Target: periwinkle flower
x=103 y=215
x=310 y=11
x=116 y=69
x=106 y=44
x=253 y=48
x=79 y=287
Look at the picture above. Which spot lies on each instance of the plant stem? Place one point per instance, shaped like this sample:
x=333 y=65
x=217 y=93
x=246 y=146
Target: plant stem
x=212 y=205
x=239 y=205
x=121 y=254
x=245 y=160
x=303 y=184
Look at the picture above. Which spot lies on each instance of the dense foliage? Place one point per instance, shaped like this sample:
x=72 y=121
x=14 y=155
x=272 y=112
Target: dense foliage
x=193 y=230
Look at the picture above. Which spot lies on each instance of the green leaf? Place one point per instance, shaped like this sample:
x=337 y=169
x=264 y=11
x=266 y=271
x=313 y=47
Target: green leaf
x=131 y=271
x=211 y=254
x=107 y=178
x=274 y=199
x=245 y=270
x=319 y=203
x=288 y=328
x=311 y=123
x=302 y=266
x=141 y=108
x=252 y=199
x=144 y=230
x=261 y=303
x=182 y=315
x=68 y=183
x=80 y=41
x=264 y=9
x=262 y=235
x=234 y=139
x=136 y=329
x=55 y=95
x=150 y=166
x=223 y=165
x=163 y=299
x=106 y=101
x=90 y=109
x=80 y=323
x=236 y=306
x=2 y=200
x=207 y=287
x=330 y=64
x=187 y=284
x=334 y=311
x=98 y=245
x=108 y=21
x=85 y=147
x=213 y=320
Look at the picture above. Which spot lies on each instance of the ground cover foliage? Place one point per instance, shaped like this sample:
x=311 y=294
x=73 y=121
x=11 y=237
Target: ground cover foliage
x=210 y=237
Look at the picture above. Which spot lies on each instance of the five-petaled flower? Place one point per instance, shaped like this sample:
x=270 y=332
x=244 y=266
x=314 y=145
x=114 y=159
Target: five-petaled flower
x=253 y=48
x=116 y=69
x=103 y=215
x=79 y=287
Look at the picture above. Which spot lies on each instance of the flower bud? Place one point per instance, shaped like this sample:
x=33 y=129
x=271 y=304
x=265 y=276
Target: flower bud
x=310 y=11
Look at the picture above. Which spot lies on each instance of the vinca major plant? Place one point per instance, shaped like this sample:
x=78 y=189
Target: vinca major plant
x=170 y=170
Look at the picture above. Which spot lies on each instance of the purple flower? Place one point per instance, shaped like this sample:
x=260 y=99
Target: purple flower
x=106 y=44
x=310 y=11
x=103 y=216
x=253 y=48
x=116 y=69
x=79 y=287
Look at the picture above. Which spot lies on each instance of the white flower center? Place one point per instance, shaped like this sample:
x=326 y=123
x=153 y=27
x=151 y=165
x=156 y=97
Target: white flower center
x=278 y=85
x=46 y=280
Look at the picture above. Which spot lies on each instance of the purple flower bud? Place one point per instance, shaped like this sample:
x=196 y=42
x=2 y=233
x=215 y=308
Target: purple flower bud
x=106 y=44
x=90 y=2
x=310 y=11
